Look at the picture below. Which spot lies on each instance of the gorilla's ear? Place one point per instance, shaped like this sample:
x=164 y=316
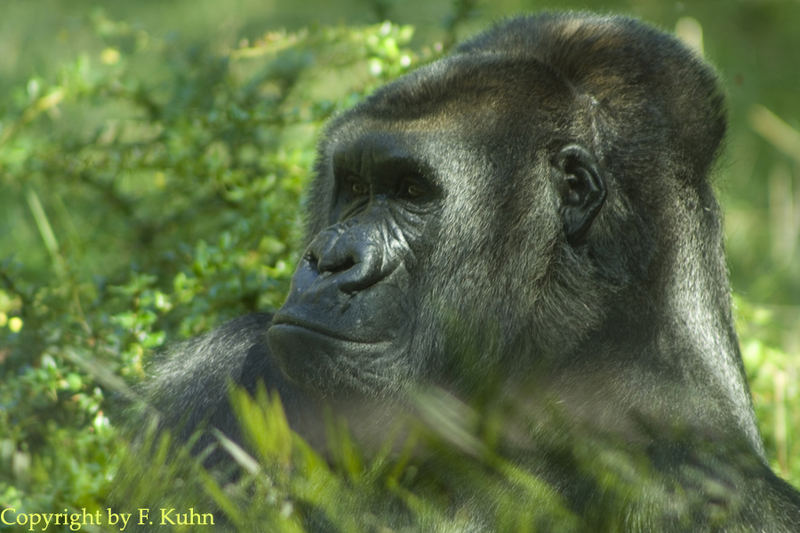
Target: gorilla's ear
x=581 y=190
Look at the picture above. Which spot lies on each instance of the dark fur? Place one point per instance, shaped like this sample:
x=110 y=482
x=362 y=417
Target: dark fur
x=617 y=308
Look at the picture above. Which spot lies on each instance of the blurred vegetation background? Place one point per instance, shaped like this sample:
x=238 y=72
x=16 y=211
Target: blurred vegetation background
x=153 y=156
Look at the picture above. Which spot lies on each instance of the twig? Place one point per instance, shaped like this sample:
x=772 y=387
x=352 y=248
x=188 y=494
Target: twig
x=780 y=134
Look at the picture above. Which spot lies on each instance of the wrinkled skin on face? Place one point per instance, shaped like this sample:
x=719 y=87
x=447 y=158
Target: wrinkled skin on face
x=349 y=319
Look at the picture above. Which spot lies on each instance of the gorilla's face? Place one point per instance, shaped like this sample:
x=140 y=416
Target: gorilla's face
x=350 y=316
x=434 y=212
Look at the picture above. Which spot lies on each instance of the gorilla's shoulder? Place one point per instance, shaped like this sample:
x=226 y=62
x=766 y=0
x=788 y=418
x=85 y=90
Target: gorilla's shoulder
x=193 y=377
x=233 y=339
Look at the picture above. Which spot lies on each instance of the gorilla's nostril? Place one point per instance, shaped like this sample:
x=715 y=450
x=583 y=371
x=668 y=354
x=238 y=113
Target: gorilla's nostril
x=346 y=264
x=333 y=265
x=311 y=259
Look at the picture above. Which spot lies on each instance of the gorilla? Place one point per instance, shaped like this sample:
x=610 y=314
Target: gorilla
x=530 y=216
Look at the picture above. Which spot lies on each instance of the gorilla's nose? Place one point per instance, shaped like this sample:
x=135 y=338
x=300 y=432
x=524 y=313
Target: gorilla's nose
x=350 y=258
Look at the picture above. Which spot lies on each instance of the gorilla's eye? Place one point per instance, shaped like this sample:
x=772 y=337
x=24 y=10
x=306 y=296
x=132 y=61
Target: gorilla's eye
x=413 y=189
x=359 y=188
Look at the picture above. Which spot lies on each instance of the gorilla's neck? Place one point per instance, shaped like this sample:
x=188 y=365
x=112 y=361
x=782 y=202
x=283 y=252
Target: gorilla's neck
x=684 y=338
x=678 y=344
x=700 y=334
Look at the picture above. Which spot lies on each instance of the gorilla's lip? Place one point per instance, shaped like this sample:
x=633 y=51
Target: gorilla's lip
x=290 y=321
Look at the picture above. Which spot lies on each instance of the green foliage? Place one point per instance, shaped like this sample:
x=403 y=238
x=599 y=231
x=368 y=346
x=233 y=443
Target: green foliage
x=289 y=487
x=773 y=375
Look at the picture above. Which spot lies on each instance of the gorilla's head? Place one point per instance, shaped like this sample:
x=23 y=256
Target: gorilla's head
x=502 y=207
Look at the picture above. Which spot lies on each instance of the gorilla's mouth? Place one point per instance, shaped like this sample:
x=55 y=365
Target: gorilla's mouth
x=295 y=325
x=317 y=356
x=289 y=321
